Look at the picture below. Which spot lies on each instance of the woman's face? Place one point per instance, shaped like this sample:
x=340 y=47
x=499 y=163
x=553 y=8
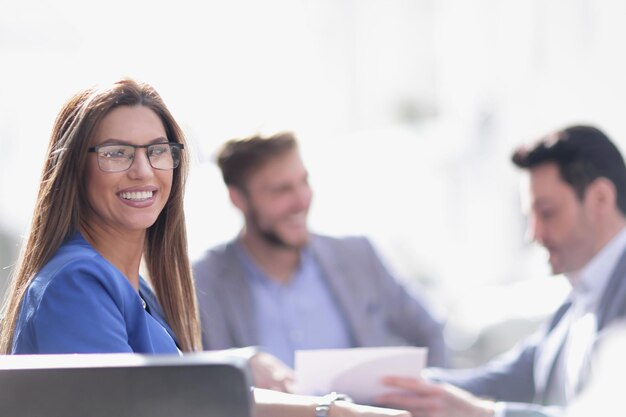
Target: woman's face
x=130 y=200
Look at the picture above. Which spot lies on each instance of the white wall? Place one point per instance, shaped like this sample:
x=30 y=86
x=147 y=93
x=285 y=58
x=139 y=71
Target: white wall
x=407 y=110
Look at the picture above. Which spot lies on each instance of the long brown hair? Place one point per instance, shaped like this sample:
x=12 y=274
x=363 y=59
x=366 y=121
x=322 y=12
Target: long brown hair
x=61 y=206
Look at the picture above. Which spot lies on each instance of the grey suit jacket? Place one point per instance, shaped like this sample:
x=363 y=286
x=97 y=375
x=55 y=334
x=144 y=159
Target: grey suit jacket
x=378 y=309
x=513 y=377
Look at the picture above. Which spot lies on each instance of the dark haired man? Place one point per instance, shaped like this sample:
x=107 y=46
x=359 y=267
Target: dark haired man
x=577 y=213
x=281 y=287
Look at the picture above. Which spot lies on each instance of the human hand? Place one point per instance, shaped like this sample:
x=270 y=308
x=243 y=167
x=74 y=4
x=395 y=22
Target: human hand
x=270 y=403
x=428 y=399
x=269 y=372
x=347 y=409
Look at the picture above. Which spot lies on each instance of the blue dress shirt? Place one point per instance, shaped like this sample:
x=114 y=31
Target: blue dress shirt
x=80 y=303
x=301 y=314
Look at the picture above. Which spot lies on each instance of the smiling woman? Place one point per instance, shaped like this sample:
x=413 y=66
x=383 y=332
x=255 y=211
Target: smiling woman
x=125 y=191
x=79 y=269
x=111 y=195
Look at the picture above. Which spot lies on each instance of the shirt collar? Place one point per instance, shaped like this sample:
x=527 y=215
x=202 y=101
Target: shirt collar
x=256 y=273
x=590 y=281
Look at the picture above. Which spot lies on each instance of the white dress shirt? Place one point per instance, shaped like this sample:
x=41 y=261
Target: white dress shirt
x=576 y=332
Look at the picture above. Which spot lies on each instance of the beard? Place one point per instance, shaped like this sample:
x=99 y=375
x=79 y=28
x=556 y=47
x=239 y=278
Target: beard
x=270 y=235
x=273 y=238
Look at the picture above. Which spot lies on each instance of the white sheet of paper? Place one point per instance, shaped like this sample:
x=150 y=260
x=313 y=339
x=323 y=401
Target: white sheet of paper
x=357 y=371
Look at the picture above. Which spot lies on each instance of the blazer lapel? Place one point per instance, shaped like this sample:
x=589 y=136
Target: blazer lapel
x=340 y=285
x=548 y=351
x=613 y=302
x=611 y=306
x=238 y=298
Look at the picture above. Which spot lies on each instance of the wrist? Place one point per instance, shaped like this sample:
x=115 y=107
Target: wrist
x=247 y=352
x=326 y=402
x=499 y=409
x=486 y=408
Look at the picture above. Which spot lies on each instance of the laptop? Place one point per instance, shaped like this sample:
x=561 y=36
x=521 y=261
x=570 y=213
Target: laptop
x=203 y=384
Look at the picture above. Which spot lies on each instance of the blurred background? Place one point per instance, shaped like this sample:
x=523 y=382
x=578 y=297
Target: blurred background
x=407 y=112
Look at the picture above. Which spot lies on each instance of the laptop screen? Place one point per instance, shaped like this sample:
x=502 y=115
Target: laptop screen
x=124 y=385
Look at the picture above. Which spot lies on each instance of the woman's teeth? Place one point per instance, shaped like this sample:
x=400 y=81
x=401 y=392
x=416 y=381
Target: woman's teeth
x=137 y=195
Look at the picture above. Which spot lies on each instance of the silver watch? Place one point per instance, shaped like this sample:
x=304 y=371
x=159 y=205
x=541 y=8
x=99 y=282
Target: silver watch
x=327 y=400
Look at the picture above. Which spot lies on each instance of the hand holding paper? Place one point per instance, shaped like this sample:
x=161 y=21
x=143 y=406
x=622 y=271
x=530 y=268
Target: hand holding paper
x=356 y=372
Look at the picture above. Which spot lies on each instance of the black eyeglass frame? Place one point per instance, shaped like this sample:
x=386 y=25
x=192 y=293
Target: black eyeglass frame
x=176 y=145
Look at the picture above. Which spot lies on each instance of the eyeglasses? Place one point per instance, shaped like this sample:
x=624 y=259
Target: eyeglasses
x=118 y=158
